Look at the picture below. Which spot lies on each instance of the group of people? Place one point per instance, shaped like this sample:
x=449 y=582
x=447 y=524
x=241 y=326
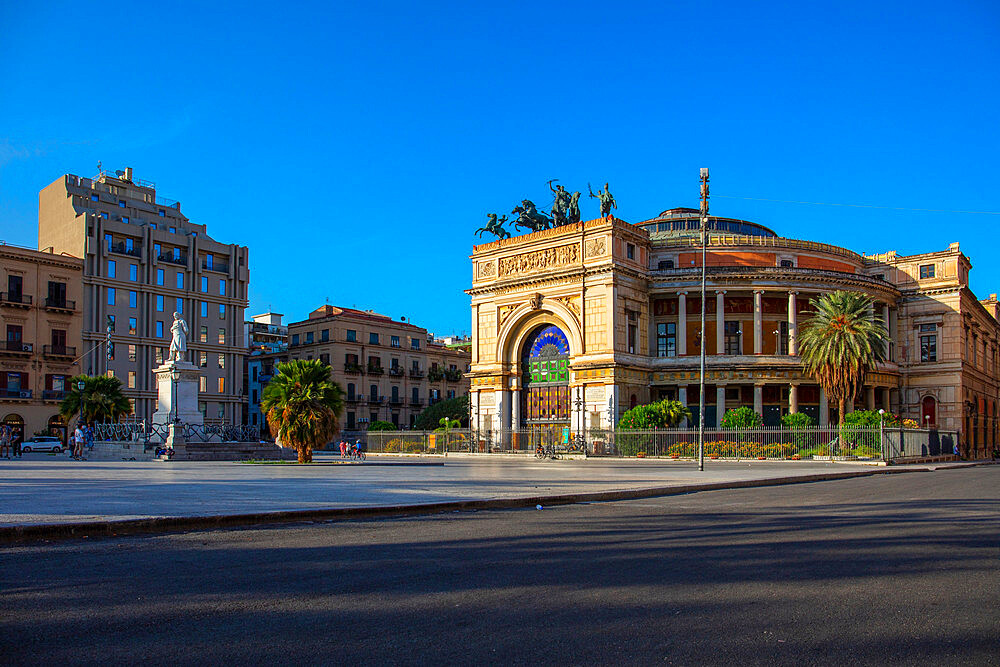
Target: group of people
x=10 y=441
x=83 y=435
x=348 y=449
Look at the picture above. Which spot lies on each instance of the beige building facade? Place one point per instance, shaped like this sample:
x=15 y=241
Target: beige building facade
x=41 y=318
x=576 y=324
x=144 y=260
x=389 y=370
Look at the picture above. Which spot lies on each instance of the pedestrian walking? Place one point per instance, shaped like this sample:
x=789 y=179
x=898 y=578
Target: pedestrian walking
x=17 y=446
x=88 y=437
x=4 y=442
x=78 y=438
x=343 y=449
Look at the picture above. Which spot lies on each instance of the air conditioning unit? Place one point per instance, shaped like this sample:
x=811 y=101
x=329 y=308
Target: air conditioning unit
x=26 y=347
x=25 y=394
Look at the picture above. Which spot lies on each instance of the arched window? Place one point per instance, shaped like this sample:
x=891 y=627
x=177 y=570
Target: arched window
x=16 y=425
x=928 y=411
x=545 y=375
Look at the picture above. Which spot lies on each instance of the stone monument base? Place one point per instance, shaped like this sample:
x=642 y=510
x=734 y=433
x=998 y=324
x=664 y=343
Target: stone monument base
x=177 y=386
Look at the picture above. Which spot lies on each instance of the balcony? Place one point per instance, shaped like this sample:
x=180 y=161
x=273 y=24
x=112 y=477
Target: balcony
x=376 y=400
x=375 y=370
x=58 y=351
x=180 y=260
x=357 y=398
x=15 y=394
x=60 y=305
x=54 y=394
x=121 y=249
x=15 y=300
x=352 y=368
x=435 y=375
x=416 y=402
x=220 y=267
x=416 y=373
x=396 y=401
x=453 y=375
x=17 y=347
x=396 y=371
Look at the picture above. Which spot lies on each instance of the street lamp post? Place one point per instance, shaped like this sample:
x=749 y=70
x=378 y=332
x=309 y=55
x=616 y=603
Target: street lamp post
x=881 y=435
x=701 y=378
x=174 y=376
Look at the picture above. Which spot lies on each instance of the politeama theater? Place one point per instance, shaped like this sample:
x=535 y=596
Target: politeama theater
x=575 y=324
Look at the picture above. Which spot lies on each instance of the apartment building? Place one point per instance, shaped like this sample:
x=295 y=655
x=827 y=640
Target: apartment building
x=267 y=346
x=41 y=318
x=142 y=261
x=389 y=370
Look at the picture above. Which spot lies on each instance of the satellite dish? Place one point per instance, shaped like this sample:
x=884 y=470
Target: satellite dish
x=119 y=173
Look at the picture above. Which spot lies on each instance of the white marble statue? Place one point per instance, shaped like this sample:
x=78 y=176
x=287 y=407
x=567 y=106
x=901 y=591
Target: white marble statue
x=179 y=342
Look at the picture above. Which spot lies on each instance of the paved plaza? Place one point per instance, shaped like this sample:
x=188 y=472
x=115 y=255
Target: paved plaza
x=45 y=490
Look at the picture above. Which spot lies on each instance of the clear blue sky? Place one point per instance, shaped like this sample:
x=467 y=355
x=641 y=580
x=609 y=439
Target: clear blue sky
x=355 y=147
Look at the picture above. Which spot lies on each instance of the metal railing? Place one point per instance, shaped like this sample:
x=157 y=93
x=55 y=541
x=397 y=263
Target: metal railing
x=54 y=394
x=416 y=373
x=761 y=443
x=15 y=298
x=395 y=370
x=15 y=393
x=352 y=368
x=375 y=370
x=169 y=257
x=221 y=267
x=140 y=431
x=60 y=304
x=120 y=249
x=59 y=350
x=17 y=346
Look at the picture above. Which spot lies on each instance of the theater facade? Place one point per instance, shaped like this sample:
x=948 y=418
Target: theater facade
x=573 y=325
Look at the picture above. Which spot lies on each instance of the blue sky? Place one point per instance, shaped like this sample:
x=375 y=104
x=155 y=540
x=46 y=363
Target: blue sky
x=356 y=147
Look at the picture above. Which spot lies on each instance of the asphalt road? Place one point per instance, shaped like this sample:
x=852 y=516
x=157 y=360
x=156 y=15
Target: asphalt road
x=885 y=569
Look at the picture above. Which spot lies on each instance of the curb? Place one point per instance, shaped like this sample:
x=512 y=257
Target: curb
x=61 y=531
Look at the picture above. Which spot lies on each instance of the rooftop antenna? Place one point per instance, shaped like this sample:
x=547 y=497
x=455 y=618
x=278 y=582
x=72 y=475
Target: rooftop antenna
x=98 y=166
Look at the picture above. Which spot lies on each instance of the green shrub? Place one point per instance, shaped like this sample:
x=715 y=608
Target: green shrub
x=662 y=414
x=742 y=417
x=381 y=426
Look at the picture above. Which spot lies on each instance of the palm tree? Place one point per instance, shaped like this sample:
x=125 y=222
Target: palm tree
x=840 y=343
x=673 y=412
x=100 y=401
x=302 y=405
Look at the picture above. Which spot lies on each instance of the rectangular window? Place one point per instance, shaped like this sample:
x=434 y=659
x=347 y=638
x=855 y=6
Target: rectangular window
x=928 y=348
x=109 y=241
x=208 y=261
x=352 y=336
x=203 y=384
x=93 y=197
x=125 y=219
x=131 y=379
x=133 y=326
x=733 y=335
x=221 y=361
x=162 y=213
x=222 y=311
x=152 y=225
x=180 y=280
x=204 y=335
x=204 y=284
x=394 y=341
x=121 y=203
x=295 y=339
x=782 y=333
x=630 y=251
x=373 y=338
x=222 y=336
x=161 y=353
x=112 y=269
x=133 y=299
x=159 y=276
x=131 y=352
x=203 y=359
x=172 y=230
x=666 y=339
x=222 y=287
x=926 y=270
x=133 y=272
x=159 y=329
x=222 y=385
x=111 y=296
x=309 y=337
x=177 y=253
x=180 y=306
x=415 y=343
x=324 y=335
x=159 y=303
x=157 y=251
x=204 y=308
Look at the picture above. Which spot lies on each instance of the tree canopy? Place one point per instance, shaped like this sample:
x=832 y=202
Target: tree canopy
x=453 y=408
x=101 y=400
x=662 y=414
x=302 y=405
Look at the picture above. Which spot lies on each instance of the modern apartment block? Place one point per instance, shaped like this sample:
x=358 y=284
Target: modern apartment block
x=144 y=260
x=390 y=370
x=41 y=318
x=267 y=345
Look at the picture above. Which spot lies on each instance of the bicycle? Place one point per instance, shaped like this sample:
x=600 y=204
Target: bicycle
x=357 y=454
x=545 y=452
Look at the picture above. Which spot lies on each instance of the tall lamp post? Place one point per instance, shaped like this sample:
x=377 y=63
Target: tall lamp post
x=701 y=382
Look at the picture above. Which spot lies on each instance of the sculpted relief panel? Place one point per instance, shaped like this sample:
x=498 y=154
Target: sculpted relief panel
x=595 y=248
x=539 y=260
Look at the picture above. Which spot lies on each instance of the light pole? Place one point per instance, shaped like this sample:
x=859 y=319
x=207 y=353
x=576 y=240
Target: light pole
x=701 y=378
x=174 y=376
x=881 y=434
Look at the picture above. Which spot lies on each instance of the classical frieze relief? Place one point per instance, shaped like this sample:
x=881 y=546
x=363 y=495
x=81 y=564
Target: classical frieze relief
x=540 y=260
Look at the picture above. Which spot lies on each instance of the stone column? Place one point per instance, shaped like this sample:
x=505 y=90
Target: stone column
x=793 y=343
x=720 y=321
x=682 y=319
x=720 y=403
x=758 y=322
x=885 y=399
x=758 y=399
x=793 y=398
x=515 y=408
x=824 y=409
x=870 y=398
x=682 y=396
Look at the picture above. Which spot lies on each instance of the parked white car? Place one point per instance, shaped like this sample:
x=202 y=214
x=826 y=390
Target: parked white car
x=42 y=443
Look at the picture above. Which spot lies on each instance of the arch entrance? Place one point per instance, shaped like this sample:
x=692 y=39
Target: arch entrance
x=545 y=400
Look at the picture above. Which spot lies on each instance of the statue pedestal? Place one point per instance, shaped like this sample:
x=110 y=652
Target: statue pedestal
x=177 y=386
